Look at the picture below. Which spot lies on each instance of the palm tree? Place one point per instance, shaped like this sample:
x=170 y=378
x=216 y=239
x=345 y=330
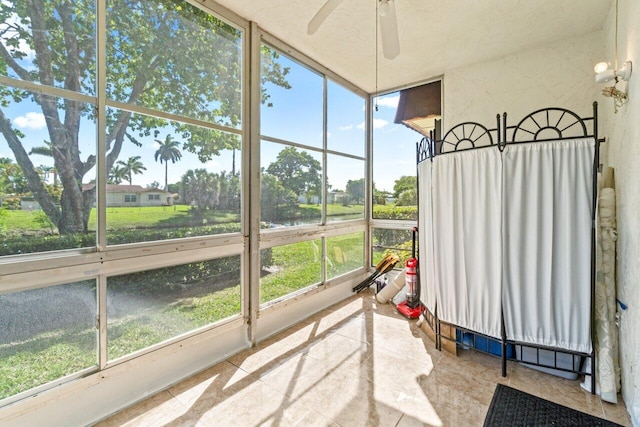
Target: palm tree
x=44 y=172
x=117 y=175
x=46 y=150
x=43 y=150
x=167 y=150
x=133 y=166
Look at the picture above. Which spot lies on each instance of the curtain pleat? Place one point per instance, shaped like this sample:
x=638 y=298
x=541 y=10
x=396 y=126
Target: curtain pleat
x=467 y=249
x=547 y=196
x=425 y=238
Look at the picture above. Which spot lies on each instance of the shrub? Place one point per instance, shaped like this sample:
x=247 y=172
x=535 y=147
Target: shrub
x=177 y=278
x=161 y=280
x=395 y=212
x=42 y=219
x=39 y=243
x=403 y=251
x=12 y=203
x=3 y=220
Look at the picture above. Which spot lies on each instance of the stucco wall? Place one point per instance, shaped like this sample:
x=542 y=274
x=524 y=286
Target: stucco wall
x=561 y=74
x=623 y=154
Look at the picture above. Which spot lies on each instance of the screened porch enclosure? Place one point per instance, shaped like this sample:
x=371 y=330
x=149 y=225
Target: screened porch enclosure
x=189 y=192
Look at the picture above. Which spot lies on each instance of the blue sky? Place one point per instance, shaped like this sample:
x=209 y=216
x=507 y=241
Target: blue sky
x=295 y=115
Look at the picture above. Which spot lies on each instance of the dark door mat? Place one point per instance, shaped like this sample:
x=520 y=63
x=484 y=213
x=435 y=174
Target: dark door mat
x=511 y=407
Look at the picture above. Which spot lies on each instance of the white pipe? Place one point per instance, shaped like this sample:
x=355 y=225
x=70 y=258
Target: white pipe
x=388 y=292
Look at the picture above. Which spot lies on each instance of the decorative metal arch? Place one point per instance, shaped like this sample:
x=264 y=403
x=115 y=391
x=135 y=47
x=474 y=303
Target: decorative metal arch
x=465 y=136
x=564 y=123
x=424 y=149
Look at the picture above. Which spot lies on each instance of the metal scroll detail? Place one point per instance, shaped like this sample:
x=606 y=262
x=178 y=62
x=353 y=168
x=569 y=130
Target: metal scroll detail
x=549 y=124
x=464 y=136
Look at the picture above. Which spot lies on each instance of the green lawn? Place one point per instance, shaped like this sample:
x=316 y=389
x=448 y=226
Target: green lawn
x=158 y=216
x=298 y=265
x=18 y=221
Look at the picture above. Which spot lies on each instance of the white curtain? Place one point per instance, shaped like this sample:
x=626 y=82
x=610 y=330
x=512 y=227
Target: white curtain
x=425 y=238
x=466 y=205
x=547 y=197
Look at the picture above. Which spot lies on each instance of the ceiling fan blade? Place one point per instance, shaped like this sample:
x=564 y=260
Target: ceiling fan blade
x=389 y=32
x=322 y=14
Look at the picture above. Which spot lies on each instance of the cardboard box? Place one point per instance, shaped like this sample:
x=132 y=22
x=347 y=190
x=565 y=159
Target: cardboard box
x=447 y=345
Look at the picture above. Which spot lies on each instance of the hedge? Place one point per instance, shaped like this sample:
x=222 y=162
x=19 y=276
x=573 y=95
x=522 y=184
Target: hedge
x=30 y=244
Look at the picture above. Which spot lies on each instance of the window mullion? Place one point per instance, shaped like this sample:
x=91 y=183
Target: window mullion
x=101 y=125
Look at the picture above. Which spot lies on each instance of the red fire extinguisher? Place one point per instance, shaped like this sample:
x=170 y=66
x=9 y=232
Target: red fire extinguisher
x=411 y=280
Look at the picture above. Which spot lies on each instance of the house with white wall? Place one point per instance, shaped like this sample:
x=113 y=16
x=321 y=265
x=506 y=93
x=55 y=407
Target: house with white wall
x=119 y=195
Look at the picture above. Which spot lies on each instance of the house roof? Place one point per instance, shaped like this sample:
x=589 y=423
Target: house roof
x=435 y=35
x=419 y=107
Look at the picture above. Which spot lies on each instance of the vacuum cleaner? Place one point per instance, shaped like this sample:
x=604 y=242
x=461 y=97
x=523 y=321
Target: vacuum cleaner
x=411 y=308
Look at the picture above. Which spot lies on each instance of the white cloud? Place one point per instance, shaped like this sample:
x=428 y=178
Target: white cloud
x=31 y=120
x=389 y=101
x=377 y=124
x=345 y=128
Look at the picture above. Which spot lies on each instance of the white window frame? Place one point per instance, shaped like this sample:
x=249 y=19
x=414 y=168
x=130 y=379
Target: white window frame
x=269 y=238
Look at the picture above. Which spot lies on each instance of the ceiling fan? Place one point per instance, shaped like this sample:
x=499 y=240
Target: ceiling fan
x=388 y=24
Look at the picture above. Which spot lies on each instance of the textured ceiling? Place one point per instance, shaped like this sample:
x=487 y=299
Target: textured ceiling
x=435 y=35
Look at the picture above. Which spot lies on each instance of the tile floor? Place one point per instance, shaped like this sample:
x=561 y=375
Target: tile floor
x=357 y=363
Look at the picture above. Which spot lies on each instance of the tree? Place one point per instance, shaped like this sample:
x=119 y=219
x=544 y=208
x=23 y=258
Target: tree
x=164 y=55
x=407 y=198
x=297 y=171
x=277 y=202
x=117 y=175
x=404 y=183
x=380 y=196
x=229 y=199
x=133 y=166
x=199 y=189
x=355 y=188
x=44 y=171
x=47 y=151
x=167 y=150
x=207 y=190
x=12 y=180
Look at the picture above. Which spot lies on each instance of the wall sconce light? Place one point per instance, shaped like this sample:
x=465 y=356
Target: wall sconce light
x=604 y=75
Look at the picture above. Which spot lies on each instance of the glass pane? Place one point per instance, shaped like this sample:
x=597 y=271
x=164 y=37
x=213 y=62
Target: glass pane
x=149 y=307
x=344 y=254
x=170 y=180
x=47 y=170
x=291 y=110
x=65 y=57
x=346 y=188
x=176 y=58
x=345 y=120
x=291 y=185
x=289 y=268
x=387 y=241
x=46 y=334
x=394 y=164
